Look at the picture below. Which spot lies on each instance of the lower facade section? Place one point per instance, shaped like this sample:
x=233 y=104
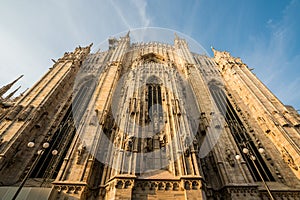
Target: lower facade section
x=125 y=189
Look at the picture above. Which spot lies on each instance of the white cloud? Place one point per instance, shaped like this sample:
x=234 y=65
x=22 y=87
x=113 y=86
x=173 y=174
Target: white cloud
x=32 y=34
x=141 y=6
x=120 y=13
x=133 y=14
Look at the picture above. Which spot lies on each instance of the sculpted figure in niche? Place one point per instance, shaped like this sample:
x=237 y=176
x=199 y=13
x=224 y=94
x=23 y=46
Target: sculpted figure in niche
x=149 y=144
x=195 y=144
x=162 y=140
x=128 y=143
x=80 y=151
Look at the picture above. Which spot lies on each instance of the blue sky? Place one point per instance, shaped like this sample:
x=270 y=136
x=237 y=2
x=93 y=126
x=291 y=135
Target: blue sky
x=265 y=34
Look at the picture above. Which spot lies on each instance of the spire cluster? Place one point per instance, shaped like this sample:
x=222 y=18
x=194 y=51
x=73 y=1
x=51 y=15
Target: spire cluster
x=7 y=87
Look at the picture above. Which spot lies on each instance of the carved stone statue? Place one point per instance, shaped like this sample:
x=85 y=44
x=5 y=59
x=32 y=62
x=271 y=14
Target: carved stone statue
x=128 y=143
x=162 y=140
x=230 y=157
x=80 y=151
x=149 y=144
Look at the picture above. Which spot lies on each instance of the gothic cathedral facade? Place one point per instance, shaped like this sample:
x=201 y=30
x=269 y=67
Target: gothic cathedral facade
x=148 y=121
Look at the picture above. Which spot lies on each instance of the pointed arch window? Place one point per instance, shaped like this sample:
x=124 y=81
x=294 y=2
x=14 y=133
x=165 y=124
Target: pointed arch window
x=154 y=98
x=49 y=165
x=241 y=136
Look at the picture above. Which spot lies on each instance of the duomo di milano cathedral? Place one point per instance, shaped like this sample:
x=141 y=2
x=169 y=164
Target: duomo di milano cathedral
x=148 y=120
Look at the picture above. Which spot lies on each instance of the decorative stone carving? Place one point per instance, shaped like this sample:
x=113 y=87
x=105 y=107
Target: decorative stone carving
x=288 y=158
x=14 y=112
x=195 y=145
x=175 y=107
x=187 y=146
x=149 y=144
x=80 y=151
x=162 y=185
x=263 y=124
x=203 y=123
x=133 y=106
x=25 y=113
x=230 y=157
x=128 y=143
x=94 y=120
x=124 y=183
x=117 y=140
x=71 y=189
x=162 y=140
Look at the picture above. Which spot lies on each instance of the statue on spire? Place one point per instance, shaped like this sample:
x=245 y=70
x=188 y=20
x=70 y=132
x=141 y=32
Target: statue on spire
x=213 y=49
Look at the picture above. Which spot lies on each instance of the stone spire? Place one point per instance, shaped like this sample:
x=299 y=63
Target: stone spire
x=176 y=36
x=127 y=35
x=12 y=93
x=20 y=95
x=5 y=88
x=213 y=49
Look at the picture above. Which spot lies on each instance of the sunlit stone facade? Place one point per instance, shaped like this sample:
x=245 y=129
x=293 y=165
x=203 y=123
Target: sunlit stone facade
x=149 y=121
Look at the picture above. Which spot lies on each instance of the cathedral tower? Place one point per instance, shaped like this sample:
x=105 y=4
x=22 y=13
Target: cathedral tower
x=148 y=121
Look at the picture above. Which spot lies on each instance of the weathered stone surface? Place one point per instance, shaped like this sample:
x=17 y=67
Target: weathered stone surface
x=139 y=122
